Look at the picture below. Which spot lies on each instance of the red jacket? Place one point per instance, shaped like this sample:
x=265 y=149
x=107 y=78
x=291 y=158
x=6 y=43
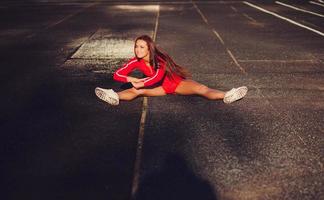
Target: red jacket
x=152 y=75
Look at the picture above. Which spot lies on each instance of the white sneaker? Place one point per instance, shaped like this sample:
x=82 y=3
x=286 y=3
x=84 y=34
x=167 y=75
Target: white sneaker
x=107 y=95
x=235 y=94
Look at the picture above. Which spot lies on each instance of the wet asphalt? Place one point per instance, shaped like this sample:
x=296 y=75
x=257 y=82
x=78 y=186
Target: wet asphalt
x=58 y=141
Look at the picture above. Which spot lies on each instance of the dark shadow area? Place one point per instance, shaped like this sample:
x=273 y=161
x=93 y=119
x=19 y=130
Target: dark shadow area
x=218 y=142
x=58 y=141
x=56 y=144
x=175 y=180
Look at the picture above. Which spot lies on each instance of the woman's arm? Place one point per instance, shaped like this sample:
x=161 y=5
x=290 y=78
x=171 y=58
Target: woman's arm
x=159 y=74
x=121 y=74
x=148 y=81
x=138 y=85
x=133 y=79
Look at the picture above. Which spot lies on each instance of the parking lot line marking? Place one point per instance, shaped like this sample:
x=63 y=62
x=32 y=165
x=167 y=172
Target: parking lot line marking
x=243 y=70
x=250 y=18
x=69 y=16
x=219 y=38
x=235 y=61
x=156 y=24
x=310 y=24
x=70 y=56
x=280 y=61
x=201 y=14
x=299 y=9
x=313 y=2
x=60 y=21
x=140 y=141
x=179 y=2
x=233 y=8
x=283 y=18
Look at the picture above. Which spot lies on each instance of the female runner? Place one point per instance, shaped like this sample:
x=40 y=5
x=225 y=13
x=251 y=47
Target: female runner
x=163 y=76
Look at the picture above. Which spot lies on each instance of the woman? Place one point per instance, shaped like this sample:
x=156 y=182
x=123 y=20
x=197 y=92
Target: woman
x=163 y=74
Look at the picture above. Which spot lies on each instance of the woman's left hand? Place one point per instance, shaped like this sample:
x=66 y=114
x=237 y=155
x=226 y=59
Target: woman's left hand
x=138 y=85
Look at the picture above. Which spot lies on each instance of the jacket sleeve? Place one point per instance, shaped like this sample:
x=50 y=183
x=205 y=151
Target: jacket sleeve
x=159 y=74
x=121 y=74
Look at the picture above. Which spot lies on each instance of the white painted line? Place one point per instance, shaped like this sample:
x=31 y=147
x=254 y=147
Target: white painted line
x=186 y=2
x=69 y=16
x=61 y=20
x=242 y=69
x=311 y=24
x=299 y=9
x=284 y=18
x=140 y=141
x=250 y=18
x=138 y=8
x=235 y=61
x=219 y=37
x=233 y=8
x=201 y=14
x=280 y=61
x=156 y=24
x=312 y=2
x=217 y=2
x=139 y=149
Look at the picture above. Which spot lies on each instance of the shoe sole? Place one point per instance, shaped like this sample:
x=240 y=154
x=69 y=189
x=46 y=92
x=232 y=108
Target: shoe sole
x=103 y=96
x=239 y=94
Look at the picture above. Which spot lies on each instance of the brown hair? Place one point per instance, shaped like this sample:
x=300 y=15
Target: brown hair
x=155 y=53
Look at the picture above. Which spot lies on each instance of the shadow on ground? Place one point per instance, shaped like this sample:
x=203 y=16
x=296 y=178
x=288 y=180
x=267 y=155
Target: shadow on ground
x=175 y=180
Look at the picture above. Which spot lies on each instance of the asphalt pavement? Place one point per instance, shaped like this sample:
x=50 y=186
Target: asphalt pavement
x=59 y=141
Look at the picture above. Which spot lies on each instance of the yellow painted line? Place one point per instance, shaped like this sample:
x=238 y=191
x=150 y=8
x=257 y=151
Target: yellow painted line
x=140 y=141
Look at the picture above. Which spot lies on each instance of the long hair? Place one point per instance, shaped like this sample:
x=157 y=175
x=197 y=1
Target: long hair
x=155 y=54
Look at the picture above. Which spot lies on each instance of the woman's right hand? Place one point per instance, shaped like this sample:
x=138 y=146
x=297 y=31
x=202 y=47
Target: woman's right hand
x=132 y=79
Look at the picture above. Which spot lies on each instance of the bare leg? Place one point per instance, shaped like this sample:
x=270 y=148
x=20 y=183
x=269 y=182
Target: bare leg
x=190 y=87
x=128 y=94
x=132 y=93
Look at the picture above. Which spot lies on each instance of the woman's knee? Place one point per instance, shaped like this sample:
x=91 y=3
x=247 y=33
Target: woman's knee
x=201 y=89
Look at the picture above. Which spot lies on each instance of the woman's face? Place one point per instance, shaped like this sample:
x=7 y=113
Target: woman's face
x=141 y=49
